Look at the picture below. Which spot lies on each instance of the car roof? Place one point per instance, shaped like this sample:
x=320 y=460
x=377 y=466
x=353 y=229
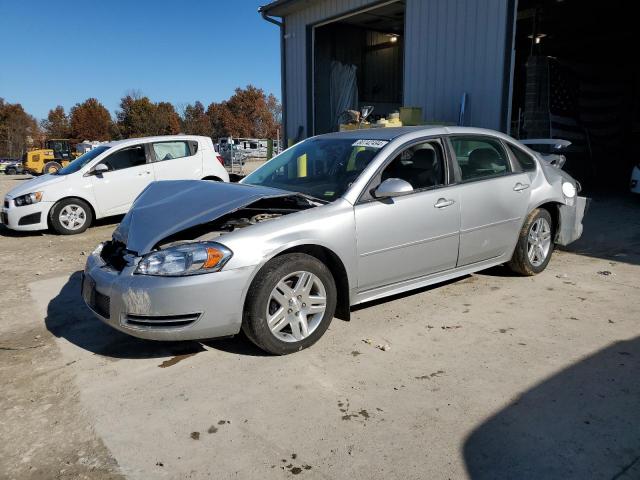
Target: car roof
x=160 y=138
x=392 y=133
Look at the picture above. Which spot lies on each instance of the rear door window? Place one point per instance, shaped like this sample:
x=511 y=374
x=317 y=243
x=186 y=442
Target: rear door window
x=525 y=160
x=172 y=150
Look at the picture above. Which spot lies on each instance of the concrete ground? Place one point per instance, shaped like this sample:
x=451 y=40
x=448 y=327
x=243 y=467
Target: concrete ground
x=489 y=376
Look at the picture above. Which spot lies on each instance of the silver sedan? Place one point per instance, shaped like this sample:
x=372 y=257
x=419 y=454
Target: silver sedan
x=334 y=221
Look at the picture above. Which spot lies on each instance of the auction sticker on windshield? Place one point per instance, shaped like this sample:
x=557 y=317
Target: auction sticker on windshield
x=370 y=143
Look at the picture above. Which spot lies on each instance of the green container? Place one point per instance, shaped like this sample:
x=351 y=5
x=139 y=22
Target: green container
x=269 y=149
x=411 y=116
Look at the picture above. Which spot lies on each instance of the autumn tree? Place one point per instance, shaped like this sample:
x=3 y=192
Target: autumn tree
x=18 y=130
x=167 y=120
x=140 y=117
x=57 y=124
x=217 y=115
x=195 y=120
x=135 y=116
x=90 y=120
x=248 y=113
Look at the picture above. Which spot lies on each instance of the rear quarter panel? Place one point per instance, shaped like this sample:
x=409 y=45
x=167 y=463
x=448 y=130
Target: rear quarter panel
x=211 y=167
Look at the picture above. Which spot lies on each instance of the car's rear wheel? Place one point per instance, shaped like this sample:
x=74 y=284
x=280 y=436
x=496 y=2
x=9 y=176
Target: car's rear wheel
x=11 y=171
x=535 y=244
x=290 y=304
x=71 y=216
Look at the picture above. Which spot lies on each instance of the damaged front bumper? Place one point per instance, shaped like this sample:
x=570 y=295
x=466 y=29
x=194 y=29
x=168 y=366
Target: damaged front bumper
x=571 y=216
x=165 y=308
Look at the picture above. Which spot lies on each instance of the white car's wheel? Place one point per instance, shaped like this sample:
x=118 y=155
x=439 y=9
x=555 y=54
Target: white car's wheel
x=71 y=216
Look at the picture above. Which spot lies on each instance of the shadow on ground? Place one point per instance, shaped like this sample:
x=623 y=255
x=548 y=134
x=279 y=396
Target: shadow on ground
x=581 y=423
x=611 y=229
x=107 y=221
x=5 y=232
x=69 y=318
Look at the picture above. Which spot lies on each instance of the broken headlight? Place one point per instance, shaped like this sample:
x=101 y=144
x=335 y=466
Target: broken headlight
x=185 y=259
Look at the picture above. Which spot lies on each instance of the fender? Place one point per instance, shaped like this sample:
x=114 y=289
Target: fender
x=79 y=197
x=288 y=246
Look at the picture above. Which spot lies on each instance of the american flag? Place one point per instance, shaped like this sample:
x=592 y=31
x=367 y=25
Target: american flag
x=586 y=105
x=563 y=106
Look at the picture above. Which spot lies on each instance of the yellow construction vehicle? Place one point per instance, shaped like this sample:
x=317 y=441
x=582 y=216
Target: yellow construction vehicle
x=57 y=153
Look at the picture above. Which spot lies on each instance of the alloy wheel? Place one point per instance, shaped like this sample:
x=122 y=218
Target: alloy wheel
x=72 y=216
x=296 y=306
x=539 y=241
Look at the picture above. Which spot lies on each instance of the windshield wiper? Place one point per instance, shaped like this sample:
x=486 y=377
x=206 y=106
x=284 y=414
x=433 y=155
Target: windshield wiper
x=313 y=199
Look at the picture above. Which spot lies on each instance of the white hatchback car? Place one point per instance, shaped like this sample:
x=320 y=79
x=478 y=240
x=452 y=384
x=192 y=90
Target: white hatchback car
x=106 y=180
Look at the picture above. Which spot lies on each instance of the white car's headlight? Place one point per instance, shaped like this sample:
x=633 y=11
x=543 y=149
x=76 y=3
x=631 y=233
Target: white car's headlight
x=185 y=259
x=568 y=189
x=28 y=199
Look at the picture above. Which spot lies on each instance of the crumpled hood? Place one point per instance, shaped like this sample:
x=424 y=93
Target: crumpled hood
x=168 y=207
x=36 y=184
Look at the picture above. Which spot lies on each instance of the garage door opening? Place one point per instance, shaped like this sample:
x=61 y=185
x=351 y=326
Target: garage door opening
x=358 y=61
x=576 y=78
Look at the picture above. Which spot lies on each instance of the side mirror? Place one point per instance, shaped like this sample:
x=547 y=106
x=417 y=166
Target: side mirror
x=392 y=187
x=99 y=169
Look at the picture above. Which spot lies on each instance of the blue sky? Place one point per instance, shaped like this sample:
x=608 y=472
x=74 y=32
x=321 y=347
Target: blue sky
x=63 y=52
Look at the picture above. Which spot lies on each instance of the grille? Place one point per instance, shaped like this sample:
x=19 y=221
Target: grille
x=102 y=304
x=31 y=219
x=160 y=322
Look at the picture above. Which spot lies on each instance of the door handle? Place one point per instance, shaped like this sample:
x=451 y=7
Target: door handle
x=518 y=187
x=144 y=173
x=443 y=202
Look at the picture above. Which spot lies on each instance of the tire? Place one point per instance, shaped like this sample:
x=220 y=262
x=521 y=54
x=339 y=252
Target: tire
x=11 y=171
x=287 y=334
x=535 y=244
x=51 y=167
x=78 y=216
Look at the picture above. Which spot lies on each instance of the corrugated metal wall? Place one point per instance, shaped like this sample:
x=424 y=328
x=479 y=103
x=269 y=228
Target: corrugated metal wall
x=451 y=47
x=456 y=46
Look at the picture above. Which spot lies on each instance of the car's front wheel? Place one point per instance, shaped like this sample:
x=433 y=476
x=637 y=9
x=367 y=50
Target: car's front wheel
x=535 y=244
x=71 y=216
x=290 y=304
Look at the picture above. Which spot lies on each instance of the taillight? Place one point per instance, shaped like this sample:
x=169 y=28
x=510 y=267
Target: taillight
x=220 y=159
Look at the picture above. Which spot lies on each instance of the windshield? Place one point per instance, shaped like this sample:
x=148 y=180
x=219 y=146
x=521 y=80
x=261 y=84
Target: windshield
x=82 y=160
x=319 y=167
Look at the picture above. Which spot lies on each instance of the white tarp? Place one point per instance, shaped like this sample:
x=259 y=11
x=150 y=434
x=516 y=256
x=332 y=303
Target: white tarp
x=343 y=91
x=171 y=150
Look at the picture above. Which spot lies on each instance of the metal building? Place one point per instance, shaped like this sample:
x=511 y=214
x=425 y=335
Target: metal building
x=447 y=48
x=533 y=68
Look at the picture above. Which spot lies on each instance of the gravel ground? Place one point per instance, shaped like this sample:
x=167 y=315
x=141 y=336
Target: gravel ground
x=490 y=376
